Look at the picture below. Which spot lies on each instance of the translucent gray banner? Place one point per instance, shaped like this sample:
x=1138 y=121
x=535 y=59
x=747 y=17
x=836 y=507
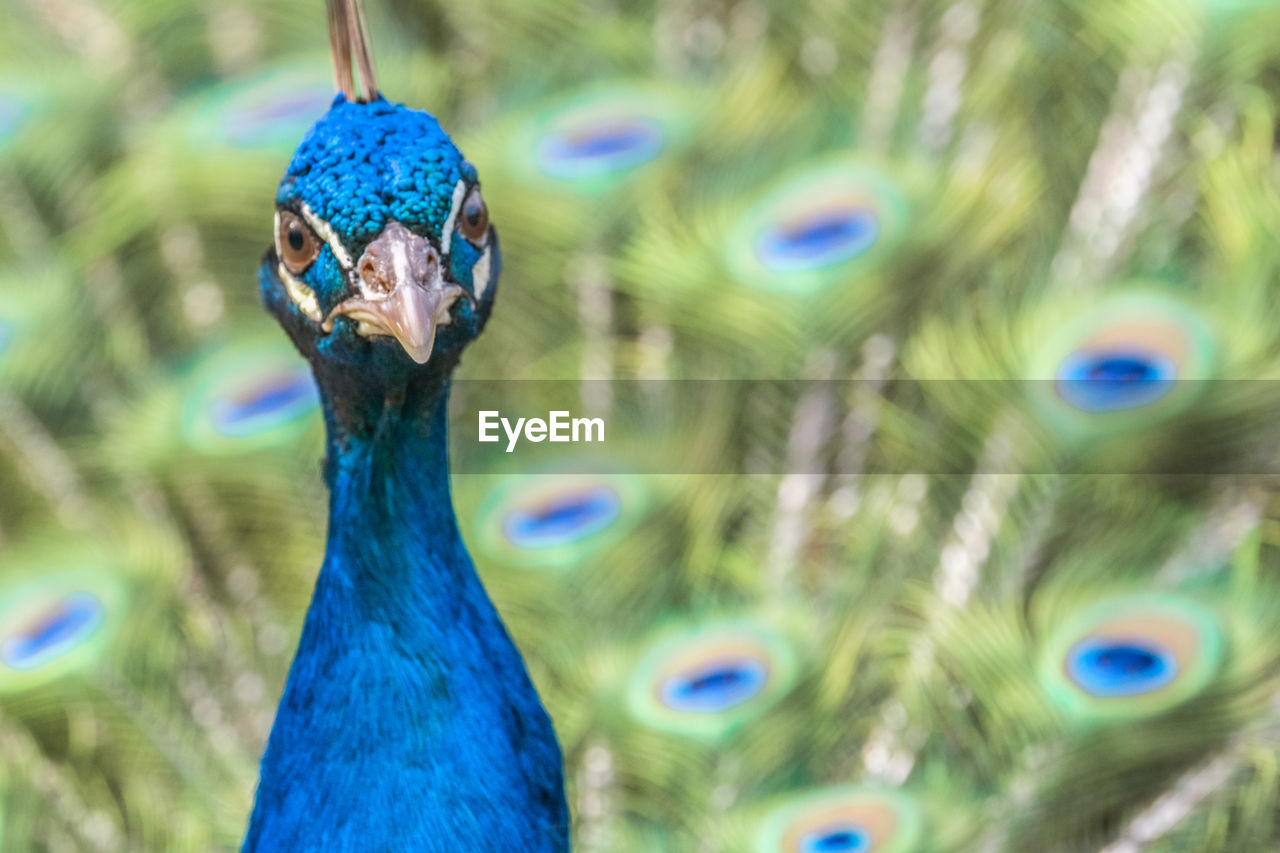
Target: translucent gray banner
x=1133 y=427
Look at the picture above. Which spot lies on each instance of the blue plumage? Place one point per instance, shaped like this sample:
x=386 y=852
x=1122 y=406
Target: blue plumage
x=408 y=721
x=363 y=165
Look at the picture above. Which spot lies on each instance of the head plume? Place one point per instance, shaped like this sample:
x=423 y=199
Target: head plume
x=347 y=35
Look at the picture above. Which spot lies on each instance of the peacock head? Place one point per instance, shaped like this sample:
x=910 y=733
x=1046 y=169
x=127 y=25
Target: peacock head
x=384 y=263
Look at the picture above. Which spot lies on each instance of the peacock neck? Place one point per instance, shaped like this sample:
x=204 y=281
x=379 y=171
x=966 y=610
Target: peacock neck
x=389 y=505
x=407 y=702
x=389 y=464
x=369 y=423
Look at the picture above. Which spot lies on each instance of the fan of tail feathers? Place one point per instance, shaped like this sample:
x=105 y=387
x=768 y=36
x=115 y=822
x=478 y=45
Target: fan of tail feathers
x=1003 y=577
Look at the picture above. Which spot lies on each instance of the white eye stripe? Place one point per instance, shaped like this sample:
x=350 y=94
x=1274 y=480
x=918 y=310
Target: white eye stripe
x=480 y=274
x=446 y=236
x=325 y=233
x=275 y=230
x=302 y=295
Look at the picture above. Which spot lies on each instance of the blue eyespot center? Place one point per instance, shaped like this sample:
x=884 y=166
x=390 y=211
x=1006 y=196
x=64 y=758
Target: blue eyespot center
x=714 y=687
x=1109 y=667
x=279 y=398
x=606 y=146
x=836 y=839
x=1114 y=380
x=822 y=238
x=564 y=518
x=53 y=632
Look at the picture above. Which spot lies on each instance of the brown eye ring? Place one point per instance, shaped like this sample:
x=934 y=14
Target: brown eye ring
x=473 y=219
x=296 y=243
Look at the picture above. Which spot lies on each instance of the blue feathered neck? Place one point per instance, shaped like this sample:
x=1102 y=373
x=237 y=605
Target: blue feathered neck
x=408 y=721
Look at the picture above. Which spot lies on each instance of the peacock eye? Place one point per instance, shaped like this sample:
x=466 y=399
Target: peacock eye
x=295 y=242
x=475 y=217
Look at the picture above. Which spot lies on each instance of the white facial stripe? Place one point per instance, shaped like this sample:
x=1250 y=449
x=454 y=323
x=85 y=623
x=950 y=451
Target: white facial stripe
x=302 y=295
x=480 y=274
x=275 y=230
x=446 y=237
x=325 y=233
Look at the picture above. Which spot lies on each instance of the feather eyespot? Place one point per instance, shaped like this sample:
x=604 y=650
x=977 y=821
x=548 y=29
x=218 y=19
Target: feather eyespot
x=296 y=243
x=1132 y=656
x=247 y=396
x=52 y=631
x=559 y=520
x=707 y=678
x=847 y=818
x=474 y=221
x=1129 y=361
x=59 y=621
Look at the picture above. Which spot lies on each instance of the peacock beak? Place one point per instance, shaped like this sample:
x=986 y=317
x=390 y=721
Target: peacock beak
x=402 y=292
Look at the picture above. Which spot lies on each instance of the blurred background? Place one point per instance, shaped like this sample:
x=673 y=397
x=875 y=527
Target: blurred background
x=1058 y=635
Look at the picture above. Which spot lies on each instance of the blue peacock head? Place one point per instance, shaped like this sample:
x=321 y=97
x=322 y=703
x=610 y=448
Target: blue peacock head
x=384 y=258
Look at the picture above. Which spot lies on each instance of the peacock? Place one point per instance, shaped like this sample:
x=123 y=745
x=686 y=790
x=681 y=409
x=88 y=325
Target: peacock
x=384 y=267
x=933 y=339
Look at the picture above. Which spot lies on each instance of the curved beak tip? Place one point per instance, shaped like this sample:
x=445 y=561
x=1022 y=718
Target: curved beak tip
x=420 y=354
x=409 y=315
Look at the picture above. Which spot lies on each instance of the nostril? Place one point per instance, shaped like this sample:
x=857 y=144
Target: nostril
x=375 y=274
x=424 y=260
